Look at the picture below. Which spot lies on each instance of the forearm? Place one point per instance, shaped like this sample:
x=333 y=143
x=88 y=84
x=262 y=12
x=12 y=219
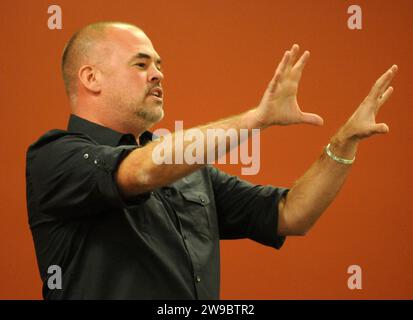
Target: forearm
x=317 y=188
x=139 y=173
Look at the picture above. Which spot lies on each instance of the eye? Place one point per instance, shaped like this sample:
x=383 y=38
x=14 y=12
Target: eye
x=142 y=65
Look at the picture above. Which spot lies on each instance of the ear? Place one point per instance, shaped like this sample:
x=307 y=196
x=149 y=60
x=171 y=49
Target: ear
x=89 y=77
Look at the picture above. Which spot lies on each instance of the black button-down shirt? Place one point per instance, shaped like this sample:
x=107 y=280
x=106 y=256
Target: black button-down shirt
x=159 y=245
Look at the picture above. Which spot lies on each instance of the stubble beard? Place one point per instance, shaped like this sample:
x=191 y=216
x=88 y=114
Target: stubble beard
x=150 y=113
x=142 y=113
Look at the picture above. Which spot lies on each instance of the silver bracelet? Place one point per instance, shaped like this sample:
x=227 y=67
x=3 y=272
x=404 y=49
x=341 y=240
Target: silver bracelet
x=338 y=159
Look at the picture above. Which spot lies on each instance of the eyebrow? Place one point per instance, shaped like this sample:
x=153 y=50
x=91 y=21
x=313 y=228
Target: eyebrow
x=146 y=56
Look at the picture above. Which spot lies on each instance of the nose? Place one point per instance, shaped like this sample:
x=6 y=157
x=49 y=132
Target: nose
x=155 y=75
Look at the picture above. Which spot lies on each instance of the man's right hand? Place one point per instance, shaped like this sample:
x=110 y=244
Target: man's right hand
x=279 y=104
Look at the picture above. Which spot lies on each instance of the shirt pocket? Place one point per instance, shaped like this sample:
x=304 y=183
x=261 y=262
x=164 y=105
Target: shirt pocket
x=196 y=203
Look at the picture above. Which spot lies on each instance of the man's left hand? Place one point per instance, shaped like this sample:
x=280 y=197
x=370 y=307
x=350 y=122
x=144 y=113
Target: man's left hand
x=362 y=124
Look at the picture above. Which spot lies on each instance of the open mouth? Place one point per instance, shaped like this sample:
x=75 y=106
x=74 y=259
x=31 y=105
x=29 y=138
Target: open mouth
x=156 y=92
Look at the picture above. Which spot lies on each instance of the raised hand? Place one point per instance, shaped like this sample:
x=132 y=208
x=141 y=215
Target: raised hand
x=279 y=104
x=362 y=123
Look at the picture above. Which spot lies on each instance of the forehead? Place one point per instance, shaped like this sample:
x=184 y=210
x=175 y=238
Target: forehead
x=130 y=41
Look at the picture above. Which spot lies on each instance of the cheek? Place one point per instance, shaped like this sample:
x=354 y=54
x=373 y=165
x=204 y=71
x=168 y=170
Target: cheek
x=132 y=84
x=136 y=83
x=114 y=84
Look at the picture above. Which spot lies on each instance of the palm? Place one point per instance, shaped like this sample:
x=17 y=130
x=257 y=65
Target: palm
x=279 y=104
x=285 y=97
x=362 y=123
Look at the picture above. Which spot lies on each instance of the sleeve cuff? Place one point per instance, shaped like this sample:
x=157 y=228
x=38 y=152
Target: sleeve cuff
x=109 y=160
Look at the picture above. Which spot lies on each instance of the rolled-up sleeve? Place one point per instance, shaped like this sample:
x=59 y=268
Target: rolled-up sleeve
x=246 y=210
x=71 y=175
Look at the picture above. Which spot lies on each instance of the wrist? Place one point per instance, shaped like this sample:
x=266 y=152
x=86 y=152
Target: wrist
x=343 y=145
x=253 y=120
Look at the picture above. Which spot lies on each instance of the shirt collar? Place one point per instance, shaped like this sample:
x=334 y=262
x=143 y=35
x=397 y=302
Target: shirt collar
x=104 y=135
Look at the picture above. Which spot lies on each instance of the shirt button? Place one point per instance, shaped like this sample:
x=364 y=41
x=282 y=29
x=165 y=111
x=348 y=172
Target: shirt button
x=96 y=162
x=198 y=279
x=168 y=192
x=86 y=156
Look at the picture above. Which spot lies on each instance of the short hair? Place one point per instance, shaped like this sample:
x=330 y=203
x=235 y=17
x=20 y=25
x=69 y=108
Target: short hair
x=78 y=48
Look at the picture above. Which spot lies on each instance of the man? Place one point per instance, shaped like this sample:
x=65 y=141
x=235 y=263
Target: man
x=119 y=225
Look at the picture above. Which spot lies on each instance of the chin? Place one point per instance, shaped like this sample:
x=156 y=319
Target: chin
x=152 y=115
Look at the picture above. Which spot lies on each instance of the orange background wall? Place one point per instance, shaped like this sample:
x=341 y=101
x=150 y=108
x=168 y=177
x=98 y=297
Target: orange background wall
x=218 y=58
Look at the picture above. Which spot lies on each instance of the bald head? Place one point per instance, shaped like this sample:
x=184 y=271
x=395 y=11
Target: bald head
x=81 y=49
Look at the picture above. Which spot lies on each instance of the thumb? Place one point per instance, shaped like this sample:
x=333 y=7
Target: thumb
x=381 y=128
x=312 y=118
